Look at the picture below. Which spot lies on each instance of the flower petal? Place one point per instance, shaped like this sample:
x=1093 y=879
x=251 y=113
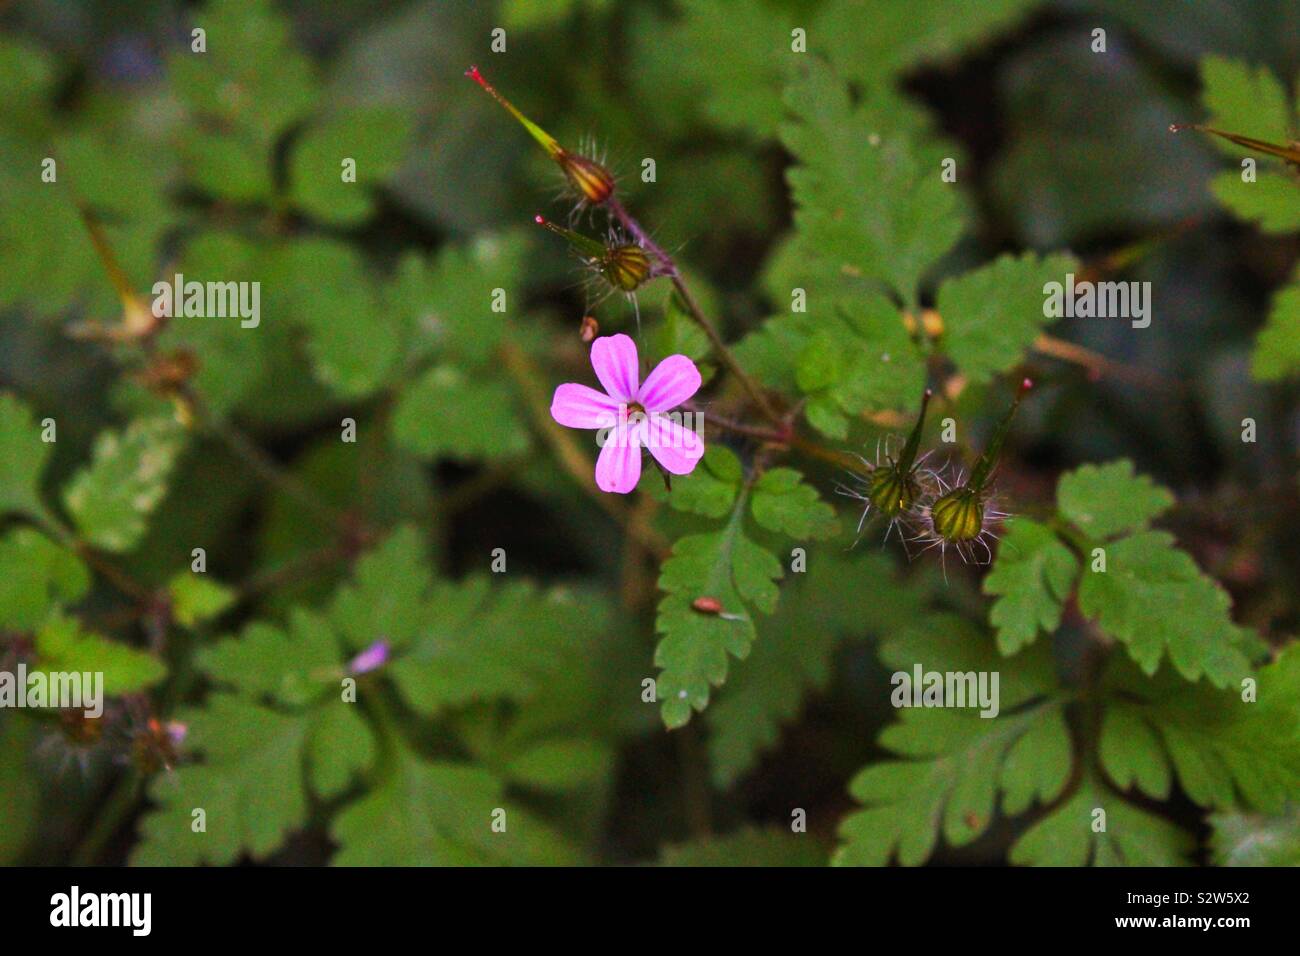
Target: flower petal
x=618 y=468
x=615 y=361
x=674 y=446
x=673 y=381
x=577 y=406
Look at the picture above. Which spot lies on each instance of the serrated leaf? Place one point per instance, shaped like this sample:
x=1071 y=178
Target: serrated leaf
x=818 y=607
x=1277 y=350
x=110 y=499
x=694 y=645
x=1069 y=834
x=958 y=761
x=196 y=598
x=292 y=666
x=387 y=599
x=449 y=413
x=710 y=489
x=863 y=200
x=1244 y=100
x=992 y=315
x=250 y=787
x=353 y=343
x=440 y=814
x=35 y=575
x=1106 y=500
x=1226 y=750
x=22 y=458
x=373 y=139
x=783 y=502
x=1155 y=601
x=1271 y=202
x=62 y=646
x=1032 y=577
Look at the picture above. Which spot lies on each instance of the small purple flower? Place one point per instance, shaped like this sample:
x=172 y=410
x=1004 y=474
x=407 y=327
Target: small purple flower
x=372 y=658
x=634 y=412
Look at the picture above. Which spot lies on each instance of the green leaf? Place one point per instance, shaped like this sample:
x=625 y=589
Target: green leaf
x=232 y=360
x=1246 y=101
x=731 y=61
x=772 y=846
x=1106 y=500
x=1252 y=839
x=446 y=304
x=35 y=575
x=871 y=42
x=291 y=667
x=783 y=502
x=196 y=598
x=440 y=814
x=818 y=607
x=710 y=489
x=22 y=458
x=992 y=315
x=340 y=747
x=250 y=787
x=1032 y=577
x=373 y=139
x=1154 y=600
x=694 y=645
x=353 y=342
x=957 y=762
x=110 y=499
x=1226 y=751
x=61 y=645
x=1068 y=836
x=864 y=200
x=1271 y=202
x=1277 y=350
x=449 y=413
x=387 y=598
x=479 y=643
x=559 y=764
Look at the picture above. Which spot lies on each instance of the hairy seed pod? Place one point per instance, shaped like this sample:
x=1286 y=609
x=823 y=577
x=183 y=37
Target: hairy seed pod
x=626 y=267
x=588 y=178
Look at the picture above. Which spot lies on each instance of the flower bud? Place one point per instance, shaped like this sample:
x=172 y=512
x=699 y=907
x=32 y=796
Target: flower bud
x=588 y=178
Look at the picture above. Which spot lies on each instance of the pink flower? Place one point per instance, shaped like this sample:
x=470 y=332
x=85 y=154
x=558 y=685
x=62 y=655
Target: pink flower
x=372 y=658
x=633 y=414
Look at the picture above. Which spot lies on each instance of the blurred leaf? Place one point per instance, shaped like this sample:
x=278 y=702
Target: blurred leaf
x=111 y=498
x=36 y=574
x=373 y=139
x=22 y=457
x=992 y=315
x=61 y=645
x=450 y=414
x=1277 y=350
